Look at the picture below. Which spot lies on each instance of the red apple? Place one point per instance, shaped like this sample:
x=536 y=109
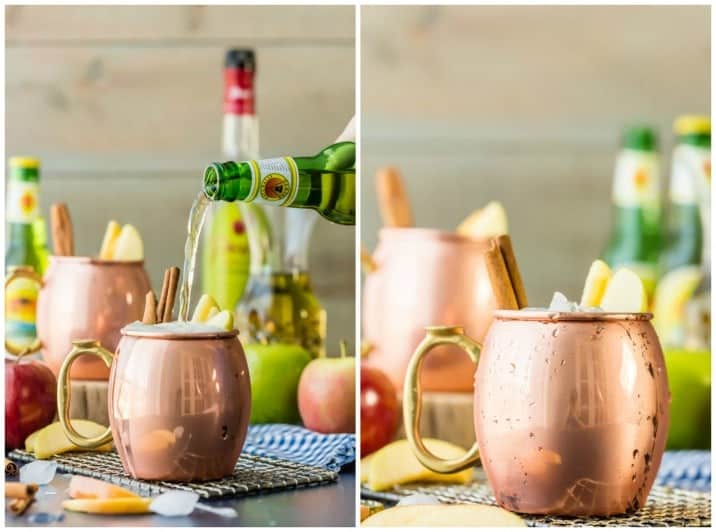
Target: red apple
x=379 y=410
x=30 y=399
x=326 y=394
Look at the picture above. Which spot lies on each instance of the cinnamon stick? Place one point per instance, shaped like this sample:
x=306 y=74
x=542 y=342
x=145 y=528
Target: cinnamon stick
x=150 y=309
x=19 y=506
x=393 y=198
x=171 y=293
x=508 y=255
x=11 y=468
x=62 y=237
x=18 y=490
x=163 y=296
x=499 y=278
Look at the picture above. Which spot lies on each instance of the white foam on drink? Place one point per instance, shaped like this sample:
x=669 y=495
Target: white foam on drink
x=174 y=327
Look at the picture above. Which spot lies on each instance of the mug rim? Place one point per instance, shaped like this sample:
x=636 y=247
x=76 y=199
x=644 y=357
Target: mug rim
x=168 y=335
x=553 y=316
x=94 y=261
x=432 y=234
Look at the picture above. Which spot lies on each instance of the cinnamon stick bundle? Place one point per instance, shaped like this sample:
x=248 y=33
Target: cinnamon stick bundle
x=19 y=506
x=11 y=468
x=62 y=237
x=166 y=299
x=18 y=490
x=505 y=244
x=500 y=278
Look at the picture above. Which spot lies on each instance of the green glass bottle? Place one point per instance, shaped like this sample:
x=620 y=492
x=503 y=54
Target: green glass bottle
x=22 y=249
x=691 y=162
x=324 y=182
x=635 y=240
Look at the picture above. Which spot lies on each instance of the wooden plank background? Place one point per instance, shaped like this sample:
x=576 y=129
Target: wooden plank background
x=525 y=105
x=123 y=105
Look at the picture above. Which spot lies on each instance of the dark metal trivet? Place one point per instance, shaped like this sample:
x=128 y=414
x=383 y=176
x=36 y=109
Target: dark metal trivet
x=664 y=507
x=252 y=474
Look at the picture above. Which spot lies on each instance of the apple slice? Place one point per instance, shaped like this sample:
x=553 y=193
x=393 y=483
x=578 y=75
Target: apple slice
x=672 y=293
x=91 y=488
x=52 y=439
x=223 y=319
x=595 y=284
x=203 y=309
x=122 y=505
x=624 y=293
x=489 y=221
x=365 y=468
x=420 y=515
x=129 y=245
x=109 y=242
x=396 y=464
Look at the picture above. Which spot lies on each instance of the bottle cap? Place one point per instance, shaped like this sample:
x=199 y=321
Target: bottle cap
x=242 y=58
x=692 y=125
x=642 y=138
x=24 y=162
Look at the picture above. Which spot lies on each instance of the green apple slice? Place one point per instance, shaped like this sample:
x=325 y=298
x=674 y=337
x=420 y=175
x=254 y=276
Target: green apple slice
x=109 y=241
x=624 y=293
x=595 y=284
x=203 y=309
x=129 y=245
x=489 y=221
x=224 y=320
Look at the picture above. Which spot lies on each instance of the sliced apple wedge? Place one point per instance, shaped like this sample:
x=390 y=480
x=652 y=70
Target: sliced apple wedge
x=624 y=293
x=204 y=308
x=91 y=488
x=444 y=515
x=52 y=440
x=129 y=245
x=396 y=464
x=224 y=319
x=489 y=221
x=125 y=505
x=595 y=284
x=109 y=242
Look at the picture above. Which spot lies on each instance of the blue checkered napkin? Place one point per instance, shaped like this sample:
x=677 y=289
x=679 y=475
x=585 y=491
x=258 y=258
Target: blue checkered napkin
x=689 y=470
x=290 y=442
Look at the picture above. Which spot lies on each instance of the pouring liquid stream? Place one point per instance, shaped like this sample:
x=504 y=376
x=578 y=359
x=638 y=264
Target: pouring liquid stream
x=194 y=225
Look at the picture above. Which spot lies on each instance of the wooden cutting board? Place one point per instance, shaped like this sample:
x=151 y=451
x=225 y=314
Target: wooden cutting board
x=89 y=401
x=447 y=416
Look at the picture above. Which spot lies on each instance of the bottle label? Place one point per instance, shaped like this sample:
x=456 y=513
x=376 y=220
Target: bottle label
x=238 y=91
x=274 y=181
x=22 y=201
x=20 y=308
x=636 y=179
x=690 y=174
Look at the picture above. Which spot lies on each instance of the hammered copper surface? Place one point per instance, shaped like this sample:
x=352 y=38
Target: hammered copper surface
x=179 y=408
x=425 y=277
x=83 y=297
x=571 y=413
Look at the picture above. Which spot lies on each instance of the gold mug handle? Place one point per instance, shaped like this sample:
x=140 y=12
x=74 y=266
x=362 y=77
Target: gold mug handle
x=412 y=404
x=24 y=272
x=81 y=347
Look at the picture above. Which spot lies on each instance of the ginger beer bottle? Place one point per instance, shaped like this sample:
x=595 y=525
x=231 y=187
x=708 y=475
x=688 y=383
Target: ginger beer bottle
x=22 y=249
x=635 y=240
x=324 y=182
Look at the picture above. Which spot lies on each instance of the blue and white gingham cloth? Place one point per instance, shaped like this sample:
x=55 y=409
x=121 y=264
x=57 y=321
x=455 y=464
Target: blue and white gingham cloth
x=297 y=444
x=688 y=470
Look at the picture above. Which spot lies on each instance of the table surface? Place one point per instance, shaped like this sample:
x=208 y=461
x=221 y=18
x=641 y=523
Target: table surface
x=331 y=504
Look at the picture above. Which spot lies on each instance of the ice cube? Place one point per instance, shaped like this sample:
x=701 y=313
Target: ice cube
x=418 y=498
x=541 y=309
x=560 y=303
x=39 y=472
x=174 y=503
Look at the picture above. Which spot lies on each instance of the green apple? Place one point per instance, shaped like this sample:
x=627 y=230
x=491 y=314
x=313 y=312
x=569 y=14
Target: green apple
x=275 y=370
x=689 y=374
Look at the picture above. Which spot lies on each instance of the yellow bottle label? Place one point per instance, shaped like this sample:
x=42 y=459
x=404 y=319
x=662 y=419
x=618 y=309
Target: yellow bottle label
x=20 y=311
x=274 y=181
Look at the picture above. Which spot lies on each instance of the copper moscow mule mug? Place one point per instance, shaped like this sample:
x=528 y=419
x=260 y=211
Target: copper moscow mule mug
x=424 y=277
x=179 y=403
x=571 y=410
x=84 y=297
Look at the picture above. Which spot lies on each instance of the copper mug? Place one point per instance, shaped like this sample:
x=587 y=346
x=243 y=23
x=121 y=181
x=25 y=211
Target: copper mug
x=179 y=403
x=571 y=410
x=423 y=277
x=84 y=297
